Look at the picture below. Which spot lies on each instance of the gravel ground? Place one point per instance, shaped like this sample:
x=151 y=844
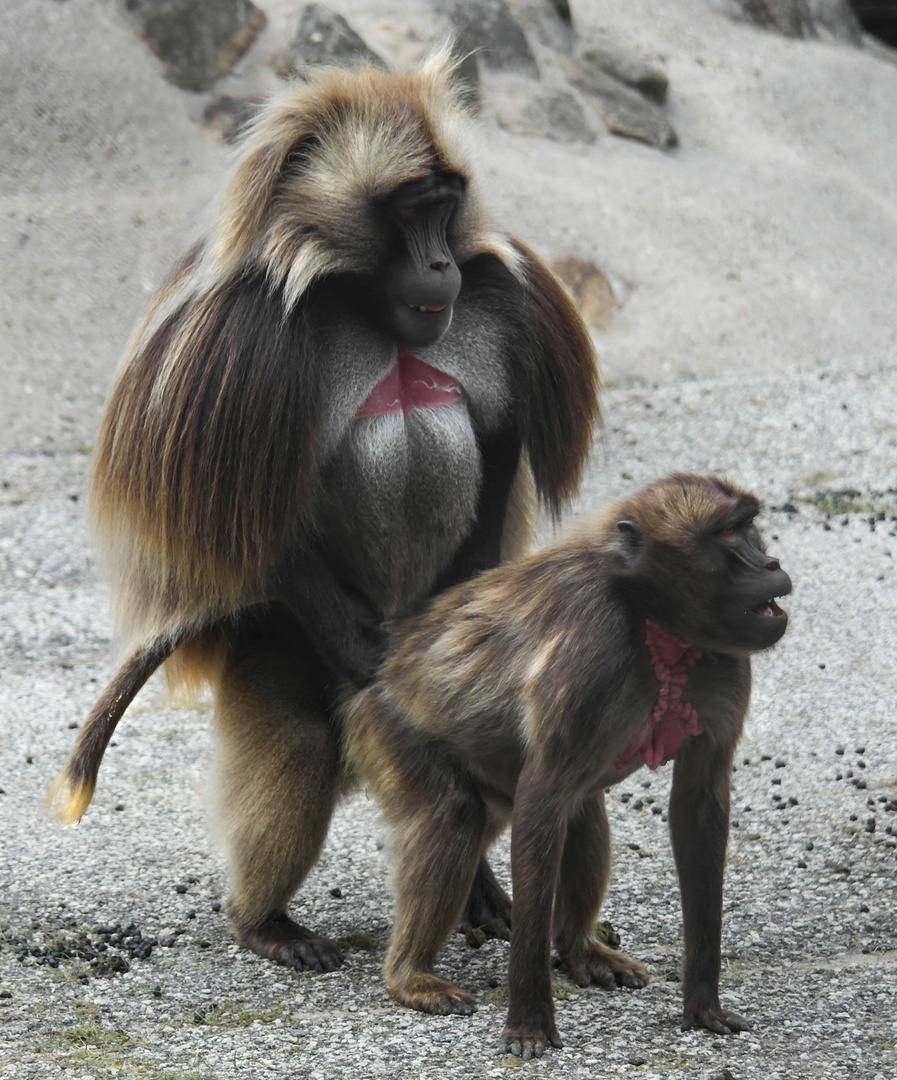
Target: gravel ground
x=768 y=235
x=809 y=936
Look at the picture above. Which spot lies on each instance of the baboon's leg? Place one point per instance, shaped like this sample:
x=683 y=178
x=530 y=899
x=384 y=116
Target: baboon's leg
x=440 y=830
x=585 y=869
x=488 y=906
x=277 y=775
x=699 y=829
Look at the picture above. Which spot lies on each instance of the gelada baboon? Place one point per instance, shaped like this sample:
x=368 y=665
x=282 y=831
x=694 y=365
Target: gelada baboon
x=526 y=693
x=338 y=402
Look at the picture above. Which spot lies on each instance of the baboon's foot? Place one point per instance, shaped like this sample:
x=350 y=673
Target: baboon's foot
x=488 y=907
x=600 y=965
x=280 y=939
x=530 y=1040
x=430 y=994
x=713 y=1017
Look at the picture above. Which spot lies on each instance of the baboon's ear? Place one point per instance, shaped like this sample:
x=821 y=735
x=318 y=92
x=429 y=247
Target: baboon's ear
x=626 y=549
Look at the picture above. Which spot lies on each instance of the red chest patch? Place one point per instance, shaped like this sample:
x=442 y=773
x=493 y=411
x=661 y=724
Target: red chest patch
x=411 y=384
x=671 y=719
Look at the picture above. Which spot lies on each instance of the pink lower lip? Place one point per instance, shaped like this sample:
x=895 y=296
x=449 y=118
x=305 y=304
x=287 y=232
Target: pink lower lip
x=411 y=384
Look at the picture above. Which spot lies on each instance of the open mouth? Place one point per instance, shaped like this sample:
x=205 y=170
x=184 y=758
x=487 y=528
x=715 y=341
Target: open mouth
x=769 y=609
x=427 y=310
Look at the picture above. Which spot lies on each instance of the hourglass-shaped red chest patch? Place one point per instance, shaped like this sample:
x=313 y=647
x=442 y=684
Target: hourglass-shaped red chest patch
x=411 y=384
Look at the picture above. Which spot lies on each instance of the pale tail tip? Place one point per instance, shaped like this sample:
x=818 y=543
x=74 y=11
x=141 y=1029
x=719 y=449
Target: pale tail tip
x=67 y=801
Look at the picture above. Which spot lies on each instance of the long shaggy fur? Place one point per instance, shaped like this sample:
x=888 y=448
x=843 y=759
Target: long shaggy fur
x=206 y=490
x=206 y=462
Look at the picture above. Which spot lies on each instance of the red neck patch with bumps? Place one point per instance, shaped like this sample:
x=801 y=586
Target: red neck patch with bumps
x=671 y=719
x=411 y=384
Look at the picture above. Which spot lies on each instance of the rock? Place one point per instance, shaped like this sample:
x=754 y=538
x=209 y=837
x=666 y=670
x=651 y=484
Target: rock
x=527 y=108
x=624 y=111
x=323 y=37
x=834 y=19
x=489 y=27
x=227 y=117
x=197 y=41
x=548 y=22
x=789 y=17
x=589 y=288
x=831 y=19
x=879 y=18
x=605 y=54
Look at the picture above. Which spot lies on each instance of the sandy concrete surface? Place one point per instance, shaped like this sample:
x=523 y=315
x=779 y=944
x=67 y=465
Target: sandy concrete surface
x=757 y=337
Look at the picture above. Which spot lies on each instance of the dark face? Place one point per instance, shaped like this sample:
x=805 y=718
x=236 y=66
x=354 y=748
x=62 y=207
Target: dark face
x=419 y=281
x=747 y=617
x=713 y=586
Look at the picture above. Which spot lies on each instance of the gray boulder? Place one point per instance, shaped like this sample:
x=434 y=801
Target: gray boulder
x=197 y=41
x=605 y=54
x=624 y=111
x=489 y=27
x=832 y=19
x=527 y=108
x=323 y=37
